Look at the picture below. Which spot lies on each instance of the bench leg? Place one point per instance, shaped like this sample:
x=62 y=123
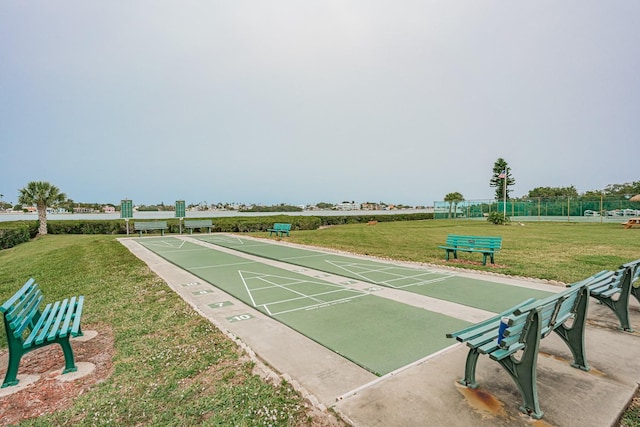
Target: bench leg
x=469 y=379
x=621 y=306
x=11 y=377
x=69 y=363
x=574 y=336
x=524 y=371
x=451 y=251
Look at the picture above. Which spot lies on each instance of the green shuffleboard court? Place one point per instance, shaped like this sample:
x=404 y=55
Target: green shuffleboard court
x=376 y=333
x=482 y=294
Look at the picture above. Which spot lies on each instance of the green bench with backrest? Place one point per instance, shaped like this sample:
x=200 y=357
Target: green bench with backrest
x=28 y=327
x=150 y=226
x=280 y=229
x=614 y=288
x=197 y=223
x=486 y=245
x=516 y=348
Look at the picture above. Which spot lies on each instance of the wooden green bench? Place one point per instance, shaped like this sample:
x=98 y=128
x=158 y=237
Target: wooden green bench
x=197 y=223
x=29 y=328
x=150 y=226
x=526 y=324
x=279 y=229
x=614 y=288
x=486 y=245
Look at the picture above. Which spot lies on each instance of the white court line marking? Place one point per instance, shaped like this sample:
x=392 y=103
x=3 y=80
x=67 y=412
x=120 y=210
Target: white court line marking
x=226 y=239
x=309 y=307
x=222 y=265
x=368 y=269
x=303 y=256
x=302 y=296
x=166 y=243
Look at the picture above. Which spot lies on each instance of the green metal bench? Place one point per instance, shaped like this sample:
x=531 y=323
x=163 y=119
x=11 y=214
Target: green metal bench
x=279 y=229
x=614 y=288
x=526 y=324
x=486 y=245
x=150 y=226
x=198 y=223
x=29 y=328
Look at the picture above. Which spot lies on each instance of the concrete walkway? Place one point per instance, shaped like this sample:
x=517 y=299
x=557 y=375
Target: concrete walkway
x=426 y=393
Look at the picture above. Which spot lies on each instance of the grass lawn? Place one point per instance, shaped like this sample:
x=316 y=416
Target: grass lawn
x=172 y=367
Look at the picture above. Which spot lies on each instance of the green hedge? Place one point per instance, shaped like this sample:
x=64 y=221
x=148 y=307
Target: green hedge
x=16 y=232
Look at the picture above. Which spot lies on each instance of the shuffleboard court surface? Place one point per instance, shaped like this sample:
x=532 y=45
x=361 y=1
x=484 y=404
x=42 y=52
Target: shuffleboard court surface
x=482 y=294
x=376 y=333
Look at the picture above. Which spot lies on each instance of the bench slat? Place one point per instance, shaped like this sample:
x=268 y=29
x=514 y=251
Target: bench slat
x=34 y=332
x=6 y=307
x=42 y=333
x=23 y=305
x=67 y=318
x=56 y=325
x=26 y=315
x=75 y=329
x=506 y=352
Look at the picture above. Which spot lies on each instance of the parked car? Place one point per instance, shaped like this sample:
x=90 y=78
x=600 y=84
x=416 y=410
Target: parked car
x=589 y=212
x=631 y=212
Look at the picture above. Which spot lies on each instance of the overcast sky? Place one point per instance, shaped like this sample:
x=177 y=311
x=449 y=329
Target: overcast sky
x=316 y=101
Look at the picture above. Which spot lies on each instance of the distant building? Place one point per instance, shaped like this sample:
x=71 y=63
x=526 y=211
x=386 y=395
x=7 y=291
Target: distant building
x=345 y=206
x=108 y=209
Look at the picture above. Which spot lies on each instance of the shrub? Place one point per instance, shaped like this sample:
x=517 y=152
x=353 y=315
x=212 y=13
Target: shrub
x=21 y=233
x=498 y=218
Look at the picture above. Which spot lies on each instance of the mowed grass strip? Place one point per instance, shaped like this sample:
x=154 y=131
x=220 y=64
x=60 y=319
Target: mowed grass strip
x=171 y=366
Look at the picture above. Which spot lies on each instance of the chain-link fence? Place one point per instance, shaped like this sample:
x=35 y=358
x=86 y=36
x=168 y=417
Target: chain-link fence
x=562 y=208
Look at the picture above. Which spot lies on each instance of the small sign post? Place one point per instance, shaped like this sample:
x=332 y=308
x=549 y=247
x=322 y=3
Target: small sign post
x=126 y=211
x=180 y=212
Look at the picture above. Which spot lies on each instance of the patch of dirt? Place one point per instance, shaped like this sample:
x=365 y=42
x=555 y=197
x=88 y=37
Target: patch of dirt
x=47 y=395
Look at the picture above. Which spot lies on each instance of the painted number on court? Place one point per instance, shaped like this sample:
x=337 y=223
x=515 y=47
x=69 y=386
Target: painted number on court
x=190 y=284
x=220 y=304
x=203 y=292
x=239 y=318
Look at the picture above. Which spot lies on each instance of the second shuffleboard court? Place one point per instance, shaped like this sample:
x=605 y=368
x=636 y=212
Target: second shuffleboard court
x=376 y=333
x=482 y=294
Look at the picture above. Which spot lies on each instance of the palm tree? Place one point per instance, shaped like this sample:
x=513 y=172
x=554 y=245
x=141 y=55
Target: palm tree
x=453 y=199
x=41 y=194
